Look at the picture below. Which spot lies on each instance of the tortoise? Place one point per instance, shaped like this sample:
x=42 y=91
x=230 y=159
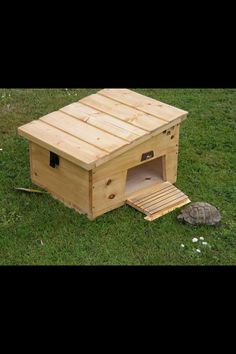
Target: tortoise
x=200 y=213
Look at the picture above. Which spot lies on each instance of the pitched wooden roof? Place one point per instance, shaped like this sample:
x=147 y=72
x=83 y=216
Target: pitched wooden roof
x=102 y=126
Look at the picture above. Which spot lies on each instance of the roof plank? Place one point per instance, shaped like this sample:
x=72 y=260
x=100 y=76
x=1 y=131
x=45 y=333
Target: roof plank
x=144 y=103
x=103 y=121
x=102 y=126
x=61 y=143
x=123 y=112
x=83 y=131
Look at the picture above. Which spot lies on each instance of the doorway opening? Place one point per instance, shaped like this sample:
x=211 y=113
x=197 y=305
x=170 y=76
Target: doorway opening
x=145 y=175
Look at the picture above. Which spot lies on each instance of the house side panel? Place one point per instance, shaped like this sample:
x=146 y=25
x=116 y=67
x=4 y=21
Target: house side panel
x=166 y=143
x=67 y=182
x=108 y=193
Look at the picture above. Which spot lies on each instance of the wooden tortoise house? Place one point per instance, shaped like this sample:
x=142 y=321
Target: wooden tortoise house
x=108 y=149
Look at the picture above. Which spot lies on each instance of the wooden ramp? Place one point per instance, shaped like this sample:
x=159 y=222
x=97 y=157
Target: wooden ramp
x=158 y=200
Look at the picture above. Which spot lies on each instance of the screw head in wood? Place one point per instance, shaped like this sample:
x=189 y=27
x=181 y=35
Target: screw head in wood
x=111 y=196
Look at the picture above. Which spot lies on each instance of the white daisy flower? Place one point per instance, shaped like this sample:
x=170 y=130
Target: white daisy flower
x=195 y=240
x=201 y=238
x=198 y=250
x=204 y=243
x=182 y=245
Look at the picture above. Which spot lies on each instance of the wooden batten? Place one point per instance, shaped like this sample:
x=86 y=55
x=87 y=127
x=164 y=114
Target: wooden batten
x=159 y=200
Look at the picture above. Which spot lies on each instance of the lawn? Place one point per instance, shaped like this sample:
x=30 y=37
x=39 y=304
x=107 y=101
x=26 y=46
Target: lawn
x=38 y=230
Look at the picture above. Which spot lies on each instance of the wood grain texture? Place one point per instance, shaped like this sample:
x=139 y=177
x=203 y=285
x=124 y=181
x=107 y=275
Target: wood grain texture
x=61 y=143
x=167 y=210
x=113 y=146
x=108 y=192
x=161 y=199
x=67 y=182
x=123 y=112
x=104 y=122
x=144 y=104
x=103 y=126
x=85 y=132
x=161 y=145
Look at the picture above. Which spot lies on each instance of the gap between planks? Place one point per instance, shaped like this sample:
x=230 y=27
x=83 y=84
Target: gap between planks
x=167 y=210
x=165 y=202
x=80 y=138
x=111 y=110
x=159 y=197
x=182 y=114
x=133 y=107
x=119 y=149
x=158 y=200
x=108 y=132
x=34 y=132
x=146 y=193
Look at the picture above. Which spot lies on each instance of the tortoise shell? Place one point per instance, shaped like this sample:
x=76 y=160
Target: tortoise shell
x=200 y=213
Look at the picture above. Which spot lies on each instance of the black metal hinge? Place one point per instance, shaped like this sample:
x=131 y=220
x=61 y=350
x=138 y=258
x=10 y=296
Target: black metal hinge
x=147 y=155
x=54 y=160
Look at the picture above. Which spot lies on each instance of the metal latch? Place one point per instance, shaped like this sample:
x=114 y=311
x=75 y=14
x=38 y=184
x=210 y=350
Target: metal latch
x=54 y=159
x=147 y=155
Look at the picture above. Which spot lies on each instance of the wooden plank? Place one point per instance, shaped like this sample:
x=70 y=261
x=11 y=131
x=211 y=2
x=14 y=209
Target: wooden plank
x=161 y=199
x=160 y=145
x=68 y=182
x=142 y=199
x=147 y=192
x=113 y=128
x=90 y=191
x=142 y=139
x=100 y=157
x=83 y=131
x=133 y=205
x=61 y=143
x=157 y=190
x=79 y=110
x=153 y=197
x=104 y=122
x=108 y=192
x=145 y=104
x=126 y=113
x=167 y=210
x=171 y=163
x=170 y=204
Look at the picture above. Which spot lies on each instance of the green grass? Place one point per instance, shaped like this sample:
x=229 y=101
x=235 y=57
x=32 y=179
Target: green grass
x=207 y=162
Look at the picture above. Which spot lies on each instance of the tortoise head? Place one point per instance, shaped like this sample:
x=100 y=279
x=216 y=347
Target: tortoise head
x=180 y=217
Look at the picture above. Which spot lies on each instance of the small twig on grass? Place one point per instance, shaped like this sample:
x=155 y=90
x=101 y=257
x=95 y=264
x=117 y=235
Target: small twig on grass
x=29 y=190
